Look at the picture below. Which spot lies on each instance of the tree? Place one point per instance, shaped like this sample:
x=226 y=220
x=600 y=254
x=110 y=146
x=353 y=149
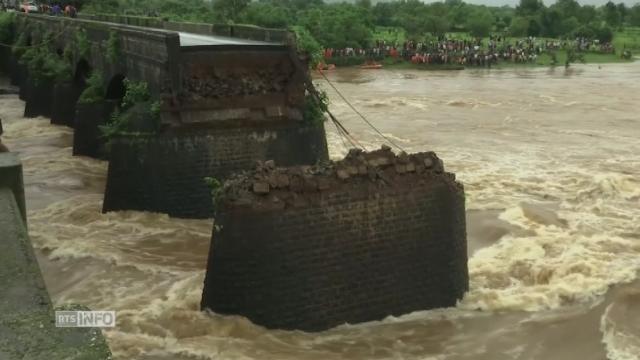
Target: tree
x=480 y=23
x=268 y=15
x=519 y=26
x=604 y=34
x=634 y=15
x=229 y=10
x=529 y=7
x=459 y=14
x=611 y=14
x=414 y=25
x=436 y=25
x=623 y=11
x=383 y=13
x=338 y=26
x=534 y=28
x=551 y=22
x=569 y=26
x=567 y=7
x=587 y=14
x=364 y=3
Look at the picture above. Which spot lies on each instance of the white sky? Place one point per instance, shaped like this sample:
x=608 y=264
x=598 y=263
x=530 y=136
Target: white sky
x=513 y=3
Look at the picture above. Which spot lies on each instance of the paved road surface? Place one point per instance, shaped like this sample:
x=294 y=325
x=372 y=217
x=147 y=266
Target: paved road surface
x=189 y=39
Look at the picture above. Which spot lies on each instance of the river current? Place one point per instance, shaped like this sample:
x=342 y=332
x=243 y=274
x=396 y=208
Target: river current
x=550 y=160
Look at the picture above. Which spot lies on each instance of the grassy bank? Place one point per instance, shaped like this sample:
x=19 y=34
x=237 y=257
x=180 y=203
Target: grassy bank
x=627 y=38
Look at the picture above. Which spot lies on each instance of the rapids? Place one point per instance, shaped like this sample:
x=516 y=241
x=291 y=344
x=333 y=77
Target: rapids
x=550 y=160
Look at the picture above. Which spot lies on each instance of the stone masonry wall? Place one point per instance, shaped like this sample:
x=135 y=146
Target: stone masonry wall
x=311 y=248
x=151 y=55
x=230 y=30
x=166 y=173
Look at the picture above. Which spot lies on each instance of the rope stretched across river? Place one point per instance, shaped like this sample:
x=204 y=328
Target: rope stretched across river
x=359 y=113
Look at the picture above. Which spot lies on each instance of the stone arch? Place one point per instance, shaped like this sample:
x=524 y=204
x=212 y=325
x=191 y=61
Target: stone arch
x=116 y=88
x=82 y=73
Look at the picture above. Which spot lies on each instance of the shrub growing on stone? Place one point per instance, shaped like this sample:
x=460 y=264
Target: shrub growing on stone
x=138 y=113
x=113 y=47
x=95 y=91
x=20 y=46
x=45 y=65
x=314 y=109
x=7 y=28
x=82 y=44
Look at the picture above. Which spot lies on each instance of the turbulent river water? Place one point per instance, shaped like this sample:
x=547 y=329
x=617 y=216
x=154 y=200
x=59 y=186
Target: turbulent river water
x=550 y=159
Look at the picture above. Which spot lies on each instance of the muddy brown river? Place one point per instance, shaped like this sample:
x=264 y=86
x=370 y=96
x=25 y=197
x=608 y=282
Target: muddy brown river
x=550 y=159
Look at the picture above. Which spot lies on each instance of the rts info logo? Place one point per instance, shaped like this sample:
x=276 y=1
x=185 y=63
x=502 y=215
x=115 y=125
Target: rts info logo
x=85 y=318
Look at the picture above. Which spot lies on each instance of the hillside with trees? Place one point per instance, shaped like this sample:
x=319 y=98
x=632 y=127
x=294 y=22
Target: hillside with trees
x=357 y=24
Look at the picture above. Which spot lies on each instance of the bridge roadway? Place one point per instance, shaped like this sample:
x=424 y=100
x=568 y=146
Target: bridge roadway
x=190 y=39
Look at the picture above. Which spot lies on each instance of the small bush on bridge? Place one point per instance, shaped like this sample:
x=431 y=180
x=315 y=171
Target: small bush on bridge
x=82 y=44
x=95 y=91
x=21 y=45
x=113 y=47
x=314 y=110
x=306 y=43
x=7 y=28
x=45 y=65
x=138 y=113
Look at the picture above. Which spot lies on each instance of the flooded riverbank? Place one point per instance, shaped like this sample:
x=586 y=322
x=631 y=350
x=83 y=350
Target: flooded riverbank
x=550 y=160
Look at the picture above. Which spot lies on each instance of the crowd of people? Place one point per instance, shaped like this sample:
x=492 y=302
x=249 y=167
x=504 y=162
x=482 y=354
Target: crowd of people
x=56 y=9
x=470 y=52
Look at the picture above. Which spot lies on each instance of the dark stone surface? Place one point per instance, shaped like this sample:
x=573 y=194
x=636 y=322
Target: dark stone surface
x=359 y=250
x=17 y=72
x=38 y=98
x=87 y=138
x=63 y=107
x=151 y=55
x=22 y=81
x=166 y=173
x=5 y=59
x=11 y=178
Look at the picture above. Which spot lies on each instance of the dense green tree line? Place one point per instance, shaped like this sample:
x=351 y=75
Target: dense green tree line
x=353 y=24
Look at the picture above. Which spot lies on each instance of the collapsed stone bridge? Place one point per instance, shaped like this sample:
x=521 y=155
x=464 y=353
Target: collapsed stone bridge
x=225 y=102
x=381 y=234
x=174 y=63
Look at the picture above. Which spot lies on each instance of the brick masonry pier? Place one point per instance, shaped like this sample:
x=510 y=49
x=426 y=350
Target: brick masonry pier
x=167 y=173
x=314 y=247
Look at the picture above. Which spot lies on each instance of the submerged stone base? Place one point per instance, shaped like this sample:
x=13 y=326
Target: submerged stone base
x=63 y=107
x=38 y=98
x=17 y=72
x=87 y=137
x=311 y=248
x=166 y=173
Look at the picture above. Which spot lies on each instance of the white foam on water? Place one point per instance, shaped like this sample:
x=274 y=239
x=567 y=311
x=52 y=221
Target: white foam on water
x=555 y=267
x=574 y=197
x=619 y=325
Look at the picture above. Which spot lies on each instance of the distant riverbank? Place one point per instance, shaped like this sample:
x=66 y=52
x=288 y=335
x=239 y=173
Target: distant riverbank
x=542 y=60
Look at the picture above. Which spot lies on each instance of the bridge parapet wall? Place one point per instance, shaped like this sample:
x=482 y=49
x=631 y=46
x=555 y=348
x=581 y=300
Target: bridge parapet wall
x=151 y=55
x=240 y=31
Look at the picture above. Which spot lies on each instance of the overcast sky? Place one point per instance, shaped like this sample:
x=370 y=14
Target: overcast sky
x=513 y=3
x=548 y=2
